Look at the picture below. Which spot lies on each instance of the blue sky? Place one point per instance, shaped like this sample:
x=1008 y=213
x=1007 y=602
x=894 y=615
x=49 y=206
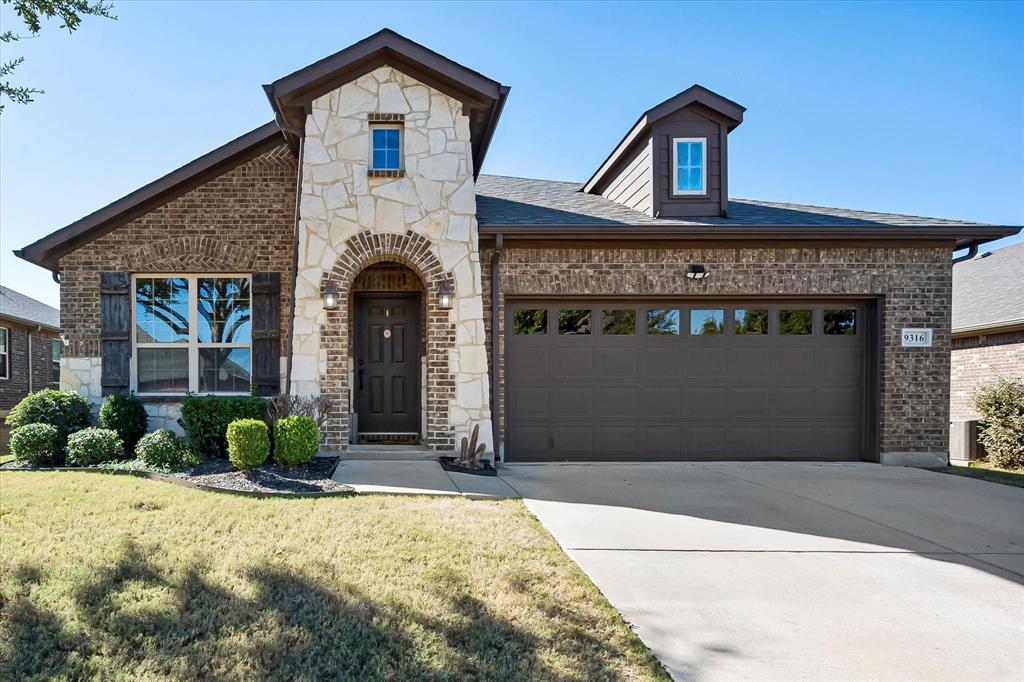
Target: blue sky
x=913 y=108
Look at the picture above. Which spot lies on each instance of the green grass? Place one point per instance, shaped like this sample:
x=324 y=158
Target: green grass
x=111 y=577
x=988 y=472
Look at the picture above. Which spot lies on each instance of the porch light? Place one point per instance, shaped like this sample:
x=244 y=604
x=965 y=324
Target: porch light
x=445 y=295
x=697 y=272
x=330 y=297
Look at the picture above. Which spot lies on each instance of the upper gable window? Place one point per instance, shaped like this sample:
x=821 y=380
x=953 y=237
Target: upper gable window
x=386 y=148
x=689 y=161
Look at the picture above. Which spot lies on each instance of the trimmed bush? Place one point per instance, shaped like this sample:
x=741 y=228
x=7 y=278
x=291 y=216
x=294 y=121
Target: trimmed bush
x=1001 y=405
x=248 y=443
x=296 y=440
x=205 y=420
x=66 y=410
x=124 y=413
x=162 y=449
x=35 y=443
x=92 y=446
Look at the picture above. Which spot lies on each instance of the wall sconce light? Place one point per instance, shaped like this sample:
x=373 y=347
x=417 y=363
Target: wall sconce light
x=445 y=296
x=330 y=297
x=697 y=272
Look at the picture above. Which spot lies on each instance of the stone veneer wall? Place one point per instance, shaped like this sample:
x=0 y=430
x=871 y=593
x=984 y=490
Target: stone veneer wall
x=425 y=220
x=980 y=360
x=914 y=285
x=241 y=221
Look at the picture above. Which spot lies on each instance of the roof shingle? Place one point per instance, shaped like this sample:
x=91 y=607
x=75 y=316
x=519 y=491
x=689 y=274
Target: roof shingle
x=21 y=307
x=988 y=290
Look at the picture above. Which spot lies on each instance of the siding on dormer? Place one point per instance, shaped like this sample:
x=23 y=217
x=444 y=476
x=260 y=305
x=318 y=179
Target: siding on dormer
x=633 y=186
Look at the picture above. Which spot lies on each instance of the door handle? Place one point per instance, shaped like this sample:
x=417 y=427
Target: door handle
x=361 y=379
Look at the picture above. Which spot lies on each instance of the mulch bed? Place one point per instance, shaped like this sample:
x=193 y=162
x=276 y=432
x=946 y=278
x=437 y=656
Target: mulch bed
x=314 y=477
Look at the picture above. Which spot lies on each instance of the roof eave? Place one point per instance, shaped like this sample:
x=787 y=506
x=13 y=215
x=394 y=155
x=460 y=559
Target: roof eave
x=46 y=252
x=989 y=328
x=27 y=322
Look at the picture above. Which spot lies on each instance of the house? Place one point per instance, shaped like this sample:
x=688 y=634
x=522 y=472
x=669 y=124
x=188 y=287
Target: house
x=30 y=350
x=988 y=325
x=352 y=248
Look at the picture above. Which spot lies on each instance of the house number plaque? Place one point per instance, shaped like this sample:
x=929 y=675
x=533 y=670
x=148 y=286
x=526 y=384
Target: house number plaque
x=917 y=337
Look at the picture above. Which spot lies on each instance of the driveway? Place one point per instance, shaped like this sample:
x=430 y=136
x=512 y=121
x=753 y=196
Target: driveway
x=798 y=571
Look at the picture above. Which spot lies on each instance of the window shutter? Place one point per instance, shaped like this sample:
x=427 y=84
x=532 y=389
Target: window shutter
x=266 y=332
x=115 y=332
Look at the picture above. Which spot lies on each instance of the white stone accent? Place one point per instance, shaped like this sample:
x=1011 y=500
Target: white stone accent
x=436 y=199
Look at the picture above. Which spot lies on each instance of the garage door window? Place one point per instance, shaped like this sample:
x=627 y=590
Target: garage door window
x=530 y=321
x=618 y=322
x=707 y=322
x=794 y=322
x=751 y=321
x=574 y=322
x=663 y=321
x=840 y=321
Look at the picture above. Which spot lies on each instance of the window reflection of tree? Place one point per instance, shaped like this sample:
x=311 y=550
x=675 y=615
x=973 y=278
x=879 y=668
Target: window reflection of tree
x=663 y=321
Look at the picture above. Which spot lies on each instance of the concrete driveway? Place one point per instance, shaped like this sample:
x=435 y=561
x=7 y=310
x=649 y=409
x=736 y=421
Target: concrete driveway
x=798 y=571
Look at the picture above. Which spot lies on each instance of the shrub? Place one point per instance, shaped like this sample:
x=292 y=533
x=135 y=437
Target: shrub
x=162 y=449
x=124 y=413
x=93 y=446
x=1001 y=405
x=205 y=420
x=35 y=443
x=66 y=410
x=248 y=443
x=296 y=440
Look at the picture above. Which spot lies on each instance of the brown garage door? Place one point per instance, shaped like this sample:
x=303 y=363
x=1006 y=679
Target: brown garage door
x=685 y=380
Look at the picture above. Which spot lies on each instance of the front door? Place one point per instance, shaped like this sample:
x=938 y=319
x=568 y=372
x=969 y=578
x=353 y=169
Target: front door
x=387 y=366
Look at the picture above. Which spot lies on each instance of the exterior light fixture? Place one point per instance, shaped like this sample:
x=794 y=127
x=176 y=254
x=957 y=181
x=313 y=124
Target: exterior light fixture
x=445 y=296
x=330 y=297
x=697 y=272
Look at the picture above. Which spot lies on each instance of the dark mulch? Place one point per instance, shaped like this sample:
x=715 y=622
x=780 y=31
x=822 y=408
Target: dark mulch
x=314 y=477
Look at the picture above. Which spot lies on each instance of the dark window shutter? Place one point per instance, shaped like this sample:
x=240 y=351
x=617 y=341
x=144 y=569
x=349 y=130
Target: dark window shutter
x=115 y=332
x=266 y=332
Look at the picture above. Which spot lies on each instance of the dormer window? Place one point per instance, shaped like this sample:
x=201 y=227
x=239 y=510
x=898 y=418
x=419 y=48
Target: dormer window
x=386 y=150
x=689 y=160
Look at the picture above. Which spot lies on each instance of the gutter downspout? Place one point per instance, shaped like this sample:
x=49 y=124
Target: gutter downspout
x=972 y=251
x=495 y=338
x=301 y=133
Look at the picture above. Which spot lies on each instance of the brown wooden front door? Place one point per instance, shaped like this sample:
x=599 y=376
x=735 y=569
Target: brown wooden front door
x=387 y=365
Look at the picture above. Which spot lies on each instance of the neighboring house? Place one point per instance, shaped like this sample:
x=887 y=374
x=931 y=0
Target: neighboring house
x=352 y=248
x=30 y=350
x=988 y=325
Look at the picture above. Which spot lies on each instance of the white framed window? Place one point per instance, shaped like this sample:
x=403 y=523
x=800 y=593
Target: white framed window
x=5 y=353
x=55 y=350
x=386 y=147
x=689 y=165
x=191 y=334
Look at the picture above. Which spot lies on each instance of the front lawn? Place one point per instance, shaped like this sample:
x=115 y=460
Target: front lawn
x=105 y=576
x=988 y=472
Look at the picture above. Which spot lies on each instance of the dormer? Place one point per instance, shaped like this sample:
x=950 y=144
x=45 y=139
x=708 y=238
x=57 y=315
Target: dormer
x=673 y=162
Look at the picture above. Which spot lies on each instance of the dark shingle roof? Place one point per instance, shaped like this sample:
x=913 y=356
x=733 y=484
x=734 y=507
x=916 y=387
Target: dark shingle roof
x=503 y=200
x=23 y=308
x=988 y=290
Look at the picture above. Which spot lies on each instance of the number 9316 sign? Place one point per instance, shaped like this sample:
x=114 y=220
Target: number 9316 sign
x=917 y=338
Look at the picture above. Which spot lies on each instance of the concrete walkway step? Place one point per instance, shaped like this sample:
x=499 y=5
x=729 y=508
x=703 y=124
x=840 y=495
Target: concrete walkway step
x=417 y=478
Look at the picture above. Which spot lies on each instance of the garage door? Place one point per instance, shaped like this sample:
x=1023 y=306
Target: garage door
x=684 y=380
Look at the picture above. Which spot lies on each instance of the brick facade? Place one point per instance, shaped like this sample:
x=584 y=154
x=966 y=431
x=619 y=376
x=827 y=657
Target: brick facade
x=913 y=287
x=980 y=360
x=16 y=385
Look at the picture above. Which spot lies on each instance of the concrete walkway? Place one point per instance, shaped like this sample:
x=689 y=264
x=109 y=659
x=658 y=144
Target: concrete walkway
x=388 y=477
x=798 y=571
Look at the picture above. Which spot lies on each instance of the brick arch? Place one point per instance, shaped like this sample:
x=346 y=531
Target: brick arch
x=191 y=254
x=438 y=335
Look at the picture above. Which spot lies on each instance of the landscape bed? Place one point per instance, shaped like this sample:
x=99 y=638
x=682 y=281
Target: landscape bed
x=119 y=577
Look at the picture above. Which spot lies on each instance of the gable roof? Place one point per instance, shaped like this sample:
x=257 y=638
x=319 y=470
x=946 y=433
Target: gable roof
x=47 y=251
x=483 y=98
x=730 y=111
x=521 y=206
x=988 y=291
x=21 y=308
